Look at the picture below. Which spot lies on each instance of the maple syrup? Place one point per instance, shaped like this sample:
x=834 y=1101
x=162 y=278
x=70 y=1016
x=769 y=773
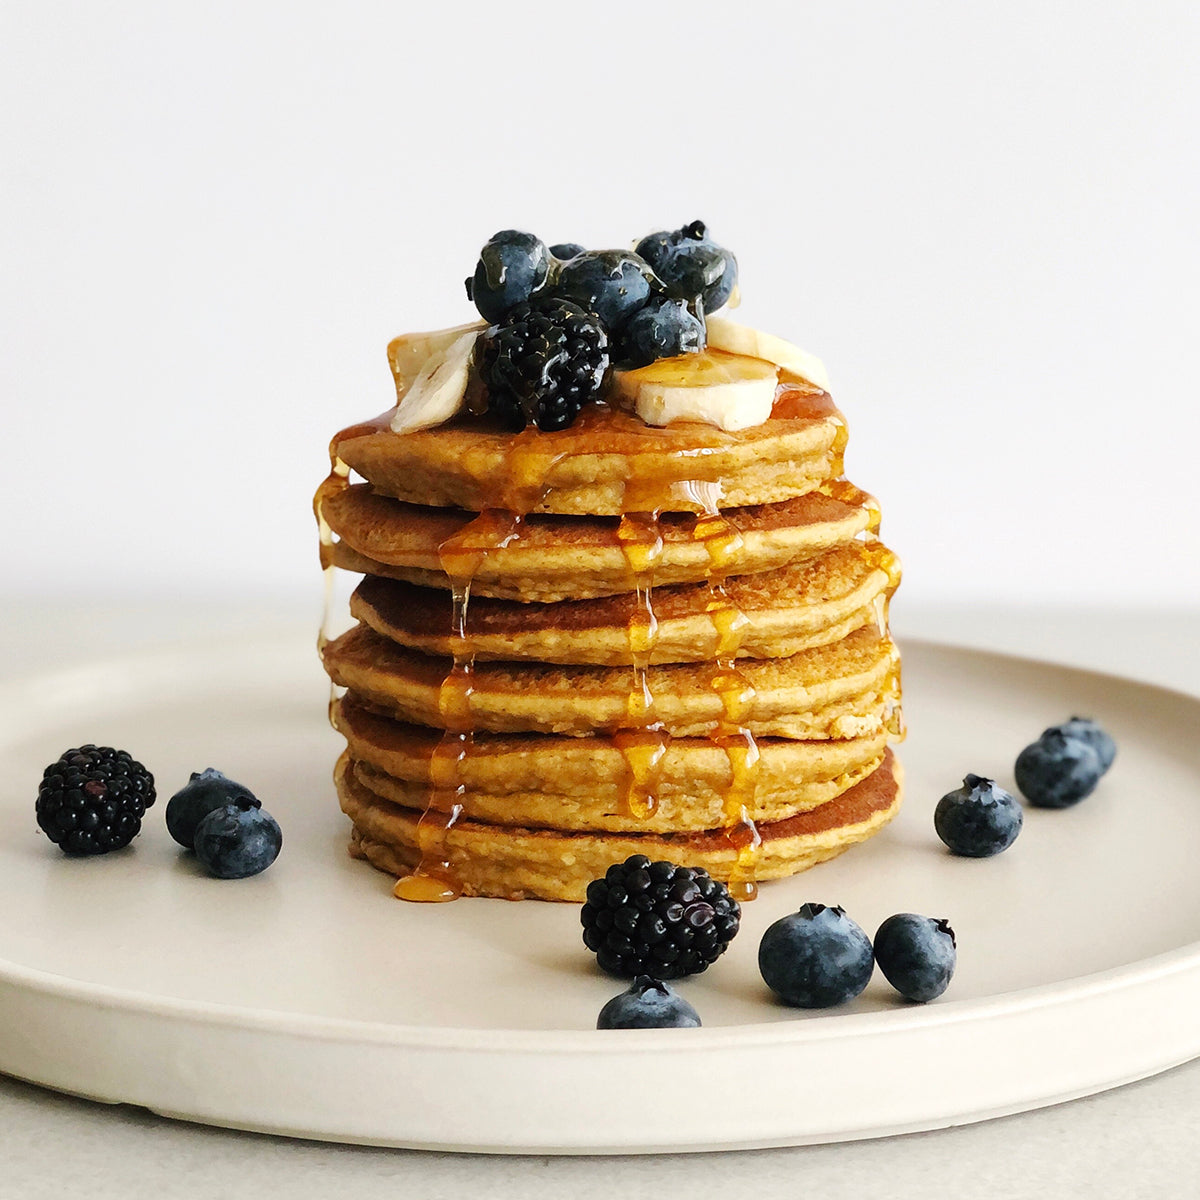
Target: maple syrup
x=433 y=879
x=643 y=745
x=723 y=542
x=686 y=481
x=848 y=493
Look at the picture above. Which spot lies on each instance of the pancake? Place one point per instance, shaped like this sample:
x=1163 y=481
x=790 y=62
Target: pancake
x=672 y=813
x=556 y=558
x=795 y=608
x=580 y=783
x=514 y=863
x=843 y=690
x=602 y=462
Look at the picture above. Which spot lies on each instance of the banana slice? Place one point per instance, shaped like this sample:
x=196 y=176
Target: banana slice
x=724 y=334
x=408 y=354
x=730 y=391
x=439 y=388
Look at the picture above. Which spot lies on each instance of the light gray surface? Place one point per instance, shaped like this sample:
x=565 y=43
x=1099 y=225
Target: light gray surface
x=1135 y=1141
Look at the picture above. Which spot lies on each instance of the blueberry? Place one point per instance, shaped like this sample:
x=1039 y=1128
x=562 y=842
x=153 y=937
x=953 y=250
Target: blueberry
x=564 y=250
x=613 y=284
x=978 y=819
x=691 y=265
x=648 y=1004
x=663 y=329
x=204 y=791
x=1086 y=730
x=916 y=955
x=815 y=958
x=512 y=268
x=1057 y=770
x=237 y=840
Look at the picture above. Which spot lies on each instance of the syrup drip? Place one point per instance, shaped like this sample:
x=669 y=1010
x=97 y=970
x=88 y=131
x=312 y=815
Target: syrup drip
x=461 y=555
x=893 y=713
x=643 y=745
x=336 y=482
x=526 y=466
x=723 y=542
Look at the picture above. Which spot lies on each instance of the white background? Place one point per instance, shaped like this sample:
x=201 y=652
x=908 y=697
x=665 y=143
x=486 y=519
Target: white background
x=982 y=216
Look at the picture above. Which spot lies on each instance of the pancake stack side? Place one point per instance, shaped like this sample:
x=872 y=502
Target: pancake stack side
x=612 y=639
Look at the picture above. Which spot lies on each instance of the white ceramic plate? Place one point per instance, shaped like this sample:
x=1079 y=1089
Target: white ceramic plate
x=307 y=1001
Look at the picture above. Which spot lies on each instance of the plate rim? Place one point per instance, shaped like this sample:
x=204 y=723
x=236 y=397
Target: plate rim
x=467 y=1038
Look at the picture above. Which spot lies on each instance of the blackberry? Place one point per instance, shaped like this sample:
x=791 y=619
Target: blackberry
x=542 y=363
x=658 y=919
x=92 y=799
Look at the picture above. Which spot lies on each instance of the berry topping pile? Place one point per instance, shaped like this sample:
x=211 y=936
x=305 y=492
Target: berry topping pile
x=559 y=317
x=658 y=919
x=92 y=800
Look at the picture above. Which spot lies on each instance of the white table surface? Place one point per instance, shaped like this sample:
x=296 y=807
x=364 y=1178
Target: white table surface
x=1138 y=1140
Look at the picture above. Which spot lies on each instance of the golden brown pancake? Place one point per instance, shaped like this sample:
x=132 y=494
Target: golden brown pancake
x=581 y=783
x=843 y=690
x=556 y=558
x=514 y=863
x=506 y=595
x=672 y=813
x=794 y=608
x=608 y=462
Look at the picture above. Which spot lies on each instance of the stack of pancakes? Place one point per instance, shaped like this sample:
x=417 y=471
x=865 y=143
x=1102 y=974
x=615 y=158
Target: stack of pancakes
x=608 y=640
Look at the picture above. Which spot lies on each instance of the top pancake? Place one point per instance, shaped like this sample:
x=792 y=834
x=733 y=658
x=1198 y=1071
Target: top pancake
x=608 y=463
